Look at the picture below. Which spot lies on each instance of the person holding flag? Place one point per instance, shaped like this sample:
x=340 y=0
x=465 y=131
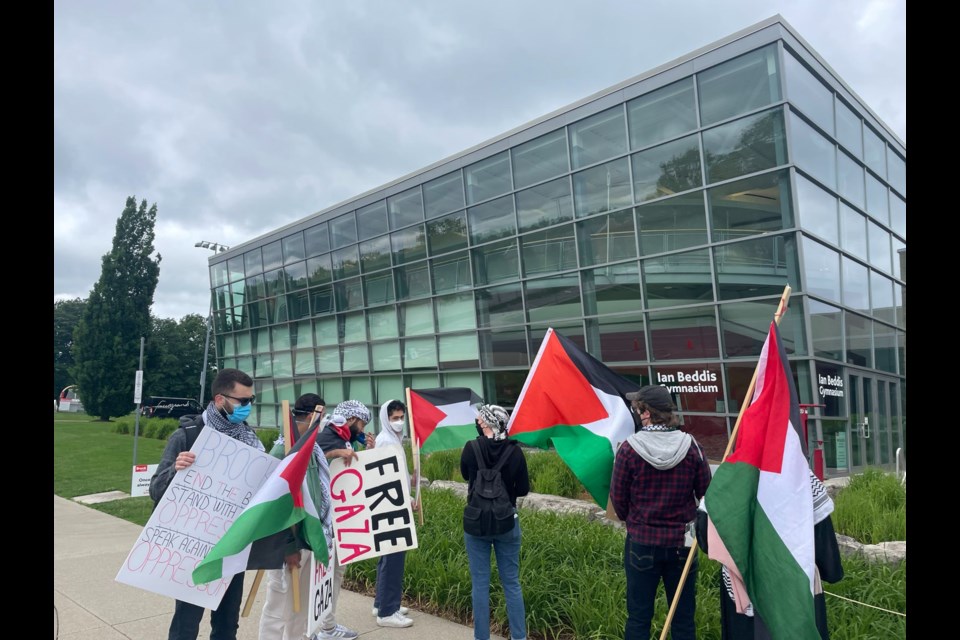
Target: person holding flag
x=659 y=476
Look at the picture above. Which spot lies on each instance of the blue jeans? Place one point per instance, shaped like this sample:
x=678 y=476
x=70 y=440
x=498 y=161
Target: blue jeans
x=389 y=583
x=224 y=622
x=507 y=548
x=645 y=566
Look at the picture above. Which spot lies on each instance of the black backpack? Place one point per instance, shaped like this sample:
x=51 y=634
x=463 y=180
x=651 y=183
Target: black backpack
x=192 y=425
x=489 y=511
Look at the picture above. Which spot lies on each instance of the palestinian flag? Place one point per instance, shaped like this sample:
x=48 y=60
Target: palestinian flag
x=761 y=506
x=282 y=501
x=443 y=418
x=576 y=403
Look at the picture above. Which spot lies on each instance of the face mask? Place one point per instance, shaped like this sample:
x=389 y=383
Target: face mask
x=239 y=414
x=397 y=425
x=476 y=423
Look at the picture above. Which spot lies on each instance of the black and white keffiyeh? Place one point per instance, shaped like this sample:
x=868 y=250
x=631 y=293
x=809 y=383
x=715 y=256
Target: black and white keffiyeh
x=242 y=432
x=496 y=417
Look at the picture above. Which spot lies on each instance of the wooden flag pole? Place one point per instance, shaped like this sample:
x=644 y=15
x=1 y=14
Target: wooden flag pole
x=416 y=454
x=781 y=309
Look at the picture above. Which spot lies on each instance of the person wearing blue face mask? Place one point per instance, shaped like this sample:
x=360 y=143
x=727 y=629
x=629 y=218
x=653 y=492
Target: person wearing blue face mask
x=227 y=412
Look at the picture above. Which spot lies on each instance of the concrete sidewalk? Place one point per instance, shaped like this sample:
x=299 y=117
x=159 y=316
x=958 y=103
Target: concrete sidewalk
x=88 y=548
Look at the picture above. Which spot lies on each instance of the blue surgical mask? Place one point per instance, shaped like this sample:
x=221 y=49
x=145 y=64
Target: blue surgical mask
x=240 y=413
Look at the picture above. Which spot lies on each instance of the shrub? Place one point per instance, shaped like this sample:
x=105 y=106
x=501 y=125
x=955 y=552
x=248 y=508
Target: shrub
x=550 y=474
x=268 y=437
x=442 y=465
x=872 y=508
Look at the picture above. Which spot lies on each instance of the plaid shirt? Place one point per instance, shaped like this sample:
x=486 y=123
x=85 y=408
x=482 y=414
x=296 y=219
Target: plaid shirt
x=656 y=504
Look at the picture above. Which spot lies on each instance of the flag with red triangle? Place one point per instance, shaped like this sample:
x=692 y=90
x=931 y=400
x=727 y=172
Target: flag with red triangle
x=443 y=418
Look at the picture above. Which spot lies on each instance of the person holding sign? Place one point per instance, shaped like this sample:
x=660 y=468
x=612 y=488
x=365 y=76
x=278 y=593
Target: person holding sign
x=279 y=621
x=227 y=412
x=386 y=601
x=493 y=447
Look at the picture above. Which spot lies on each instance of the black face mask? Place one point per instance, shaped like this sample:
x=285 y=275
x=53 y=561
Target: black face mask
x=476 y=423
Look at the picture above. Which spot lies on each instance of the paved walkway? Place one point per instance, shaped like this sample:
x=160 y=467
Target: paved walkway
x=88 y=548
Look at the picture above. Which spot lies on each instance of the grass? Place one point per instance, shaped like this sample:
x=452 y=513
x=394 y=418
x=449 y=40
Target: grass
x=872 y=508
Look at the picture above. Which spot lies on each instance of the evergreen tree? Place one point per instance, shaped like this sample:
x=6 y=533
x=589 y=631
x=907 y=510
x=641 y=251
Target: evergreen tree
x=174 y=357
x=106 y=345
x=66 y=316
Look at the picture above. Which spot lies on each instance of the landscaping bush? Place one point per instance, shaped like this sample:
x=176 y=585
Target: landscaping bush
x=872 y=508
x=441 y=465
x=268 y=436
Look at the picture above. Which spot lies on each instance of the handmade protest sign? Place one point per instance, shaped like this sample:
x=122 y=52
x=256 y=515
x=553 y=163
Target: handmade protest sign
x=321 y=593
x=197 y=508
x=372 y=515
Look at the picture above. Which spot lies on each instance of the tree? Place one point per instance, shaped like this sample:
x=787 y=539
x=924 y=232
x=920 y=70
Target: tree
x=174 y=357
x=66 y=316
x=106 y=345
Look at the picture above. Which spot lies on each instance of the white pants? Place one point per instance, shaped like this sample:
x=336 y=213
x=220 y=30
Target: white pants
x=278 y=620
x=329 y=620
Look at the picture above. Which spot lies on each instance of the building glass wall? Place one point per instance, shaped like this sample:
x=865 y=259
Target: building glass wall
x=657 y=233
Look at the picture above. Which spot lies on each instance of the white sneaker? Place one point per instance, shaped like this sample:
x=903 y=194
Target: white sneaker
x=396 y=620
x=338 y=631
x=403 y=611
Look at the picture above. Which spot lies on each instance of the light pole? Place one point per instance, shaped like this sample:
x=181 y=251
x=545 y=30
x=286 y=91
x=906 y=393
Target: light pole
x=216 y=247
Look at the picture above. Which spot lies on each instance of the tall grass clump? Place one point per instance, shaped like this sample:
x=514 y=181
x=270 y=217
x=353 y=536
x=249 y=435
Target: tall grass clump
x=550 y=474
x=872 y=508
x=441 y=465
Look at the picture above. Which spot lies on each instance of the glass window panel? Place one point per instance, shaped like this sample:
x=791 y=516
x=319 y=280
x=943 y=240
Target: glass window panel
x=321 y=300
x=353 y=327
x=606 y=238
x=319 y=270
x=853 y=231
x=898 y=216
x=874 y=152
x=677 y=279
x=386 y=355
x=807 y=93
x=382 y=323
x=272 y=256
x=235 y=268
x=748 y=207
x=273 y=280
x=408 y=244
x=304 y=362
x=877 y=205
x=349 y=294
x=885 y=347
x=897 y=171
x=328 y=361
x=459 y=351
x=672 y=224
x=419 y=353
x=346 y=262
x=683 y=333
x=298 y=305
x=253 y=262
x=355 y=358
x=412 y=280
x=817 y=210
x=218 y=274
x=899 y=259
x=442 y=195
x=301 y=334
x=296 y=276
x=255 y=289
x=859 y=341
x=881 y=297
x=456 y=312
x=550 y=250
x=849 y=130
x=611 y=290
x=332 y=388
x=451 y=272
x=343 y=230
x=262 y=368
x=694 y=387
x=850 y=179
x=372 y=220
x=492 y=220
x=293 y=248
x=416 y=318
x=662 y=114
x=316 y=240
x=821 y=268
x=469 y=380
x=258 y=313
x=379 y=288
x=496 y=262
x=826 y=328
x=602 y=188
x=375 y=254
x=544 y=205
x=879 y=239
x=747 y=145
x=571 y=329
x=282 y=365
x=540 y=159
x=244 y=345
x=598 y=137
x=813 y=153
x=902 y=353
x=743 y=84
x=755 y=267
x=498 y=306
x=506 y=386
x=744 y=327
x=405 y=208
x=551 y=298
x=447 y=233
x=621 y=338
x=667 y=169
x=488 y=178
x=503 y=348
x=388 y=388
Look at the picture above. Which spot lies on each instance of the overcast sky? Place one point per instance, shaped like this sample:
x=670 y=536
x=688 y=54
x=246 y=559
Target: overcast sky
x=237 y=118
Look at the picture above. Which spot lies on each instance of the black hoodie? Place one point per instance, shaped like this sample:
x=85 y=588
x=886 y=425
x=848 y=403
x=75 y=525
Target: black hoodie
x=513 y=473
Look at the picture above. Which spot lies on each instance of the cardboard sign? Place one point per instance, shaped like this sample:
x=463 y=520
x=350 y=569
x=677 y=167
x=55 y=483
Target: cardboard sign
x=321 y=593
x=140 y=480
x=198 y=507
x=372 y=515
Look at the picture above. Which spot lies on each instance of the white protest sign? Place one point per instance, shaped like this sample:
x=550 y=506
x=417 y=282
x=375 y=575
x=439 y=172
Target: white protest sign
x=372 y=515
x=321 y=593
x=197 y=508
x=140 y=480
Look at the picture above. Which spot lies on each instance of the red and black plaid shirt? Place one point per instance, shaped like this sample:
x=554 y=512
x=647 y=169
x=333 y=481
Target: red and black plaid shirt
x=656 y=504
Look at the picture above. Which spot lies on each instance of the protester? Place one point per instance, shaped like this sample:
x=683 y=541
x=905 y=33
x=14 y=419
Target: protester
x=493 y=446
x=389 y=591
x=278 y=620
x=227 y=412
x=659 y=475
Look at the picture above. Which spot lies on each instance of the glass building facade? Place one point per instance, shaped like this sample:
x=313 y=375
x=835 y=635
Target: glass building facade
x=655 y=224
